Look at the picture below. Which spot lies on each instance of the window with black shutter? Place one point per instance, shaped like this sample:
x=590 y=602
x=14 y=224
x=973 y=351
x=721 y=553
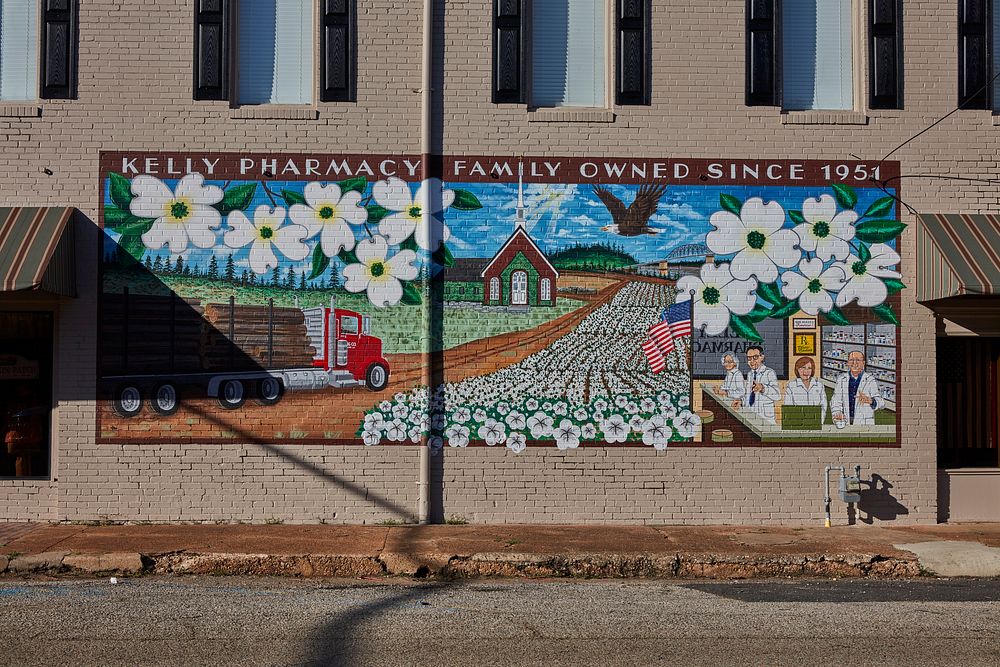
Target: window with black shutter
x=974 y=47
x=38 y=47
x=800 y=55
x=262 y=51
x=565 y=40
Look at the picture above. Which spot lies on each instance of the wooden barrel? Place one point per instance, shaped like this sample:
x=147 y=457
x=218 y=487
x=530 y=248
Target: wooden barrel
x=722 y=435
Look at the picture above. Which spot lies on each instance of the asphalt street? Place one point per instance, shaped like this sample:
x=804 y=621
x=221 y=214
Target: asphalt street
x=235 y=621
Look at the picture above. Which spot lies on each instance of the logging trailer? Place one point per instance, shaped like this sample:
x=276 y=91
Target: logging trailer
x=345 y=355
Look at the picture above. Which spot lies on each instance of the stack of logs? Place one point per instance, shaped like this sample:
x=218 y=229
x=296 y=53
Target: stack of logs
x=164 y=334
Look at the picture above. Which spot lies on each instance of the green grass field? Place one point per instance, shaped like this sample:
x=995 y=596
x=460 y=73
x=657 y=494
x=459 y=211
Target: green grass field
x=402 y=328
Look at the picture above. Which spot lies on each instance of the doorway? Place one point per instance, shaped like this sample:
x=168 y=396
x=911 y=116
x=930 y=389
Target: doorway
x=519 y=288
x=25 y=393
x=968 y=398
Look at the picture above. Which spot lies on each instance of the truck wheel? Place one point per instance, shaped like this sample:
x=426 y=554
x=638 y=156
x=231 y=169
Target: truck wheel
x=127 y=401
x=232 y=394
x=269 y=391
x=377 y=377
x=164 y=400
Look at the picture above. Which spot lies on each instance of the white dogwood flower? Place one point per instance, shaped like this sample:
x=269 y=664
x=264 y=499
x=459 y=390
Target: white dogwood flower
x=266 y=233
x=329 y=213
x=812 y=286
x=180 y=216
x=716 y=295
x=378 y=274
x=825 y=231
x=864 y=279
x=408 y=216
x=567 y=435
x=756 y=239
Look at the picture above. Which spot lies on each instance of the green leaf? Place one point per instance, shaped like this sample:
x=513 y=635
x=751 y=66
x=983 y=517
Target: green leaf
x=466 y=201
x=886 y=314
x=236 y=199
x=845 y=194
x=443 y=256
x=770 y=293
x=797 y=217
x=881 y=208
x=121 y=191
x=759 y=313
x=348 y=257
x=292 y=197
x=837 y=316
x=320 y=262
x=878 y=231
x=134 y=226
x=133 y=247
x=411 y=295
x=864 y=254
x=356 y=184
x=114 y=216
x=409 y=243
x=376 y=213
x=744 y=328
x=731 y=204
x=894 y=285
x=785 y=310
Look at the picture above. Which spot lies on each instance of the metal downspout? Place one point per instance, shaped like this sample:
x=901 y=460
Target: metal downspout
x=424 y=476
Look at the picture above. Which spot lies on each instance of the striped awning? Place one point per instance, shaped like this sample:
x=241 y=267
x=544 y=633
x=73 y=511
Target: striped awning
x=957 y=255
x=36 y=250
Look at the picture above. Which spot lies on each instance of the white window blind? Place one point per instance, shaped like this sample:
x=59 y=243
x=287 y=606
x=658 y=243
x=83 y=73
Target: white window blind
x=817 y=55
x=18 y=49
x=275 y=51
x=567 y=53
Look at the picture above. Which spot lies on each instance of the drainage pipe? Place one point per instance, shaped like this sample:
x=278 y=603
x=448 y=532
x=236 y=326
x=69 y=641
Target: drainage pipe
x=826 y=490
x=424 y=475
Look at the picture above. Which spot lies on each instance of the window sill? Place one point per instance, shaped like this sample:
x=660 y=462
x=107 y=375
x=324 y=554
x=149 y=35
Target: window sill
x=996 y=119
x=273 y=112
x=824 y=118
x=571 y=115
x=20 y=110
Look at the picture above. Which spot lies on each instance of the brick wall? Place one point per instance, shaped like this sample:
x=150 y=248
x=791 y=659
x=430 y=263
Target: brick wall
x=135 y=94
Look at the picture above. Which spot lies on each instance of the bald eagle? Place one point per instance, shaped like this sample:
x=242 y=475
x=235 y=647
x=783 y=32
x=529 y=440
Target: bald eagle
x=634 y=220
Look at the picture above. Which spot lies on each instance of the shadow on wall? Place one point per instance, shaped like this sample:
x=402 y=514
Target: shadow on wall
x=878 y=503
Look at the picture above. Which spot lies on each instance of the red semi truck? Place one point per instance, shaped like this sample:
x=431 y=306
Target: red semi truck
x=347 y=355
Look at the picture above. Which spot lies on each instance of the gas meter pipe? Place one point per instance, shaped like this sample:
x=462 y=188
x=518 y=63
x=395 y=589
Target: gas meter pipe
x=826 y=490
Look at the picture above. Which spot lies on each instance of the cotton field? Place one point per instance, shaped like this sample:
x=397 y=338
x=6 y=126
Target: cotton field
x=593 y=384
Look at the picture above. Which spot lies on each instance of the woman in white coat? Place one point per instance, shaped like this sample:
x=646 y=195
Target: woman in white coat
x=805 y=389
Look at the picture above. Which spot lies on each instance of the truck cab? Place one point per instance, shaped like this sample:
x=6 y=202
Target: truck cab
x=345 y=347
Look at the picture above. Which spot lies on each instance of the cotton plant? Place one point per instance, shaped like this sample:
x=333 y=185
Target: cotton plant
x=777 y=263
x=550 y=396
x=378 y=230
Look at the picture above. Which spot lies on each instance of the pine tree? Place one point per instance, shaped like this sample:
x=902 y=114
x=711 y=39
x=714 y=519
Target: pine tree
x=230 y=269
x=290 y=279
x=276 y=277
x=243 y=278
x=333 y=282
x=158 y=265
x=187 y=270
x=253 y=278
x=148 y=263
x=213 y=268
x=179 y=266
x=302 y=282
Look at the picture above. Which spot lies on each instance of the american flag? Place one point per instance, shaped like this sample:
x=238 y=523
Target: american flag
x=678 y=317
x=674 y=322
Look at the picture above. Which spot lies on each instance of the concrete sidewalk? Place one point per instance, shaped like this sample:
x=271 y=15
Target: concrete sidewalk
x=449 y=551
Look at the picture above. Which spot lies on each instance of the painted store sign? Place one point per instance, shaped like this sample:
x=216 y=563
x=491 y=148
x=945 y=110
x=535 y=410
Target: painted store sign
x=512 y=302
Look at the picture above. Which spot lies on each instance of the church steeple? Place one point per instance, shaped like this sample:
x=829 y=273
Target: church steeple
x=519 y=222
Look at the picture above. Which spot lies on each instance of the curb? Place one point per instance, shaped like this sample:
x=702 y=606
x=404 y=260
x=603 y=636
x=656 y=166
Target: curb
x=472 y=566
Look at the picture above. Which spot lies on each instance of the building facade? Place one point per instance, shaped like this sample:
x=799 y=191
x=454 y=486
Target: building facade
x=246 y=269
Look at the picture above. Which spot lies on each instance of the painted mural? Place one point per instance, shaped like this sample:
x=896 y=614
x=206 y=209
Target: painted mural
x=512 y=302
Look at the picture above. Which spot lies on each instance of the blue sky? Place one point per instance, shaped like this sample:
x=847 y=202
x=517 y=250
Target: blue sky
x=557 y=216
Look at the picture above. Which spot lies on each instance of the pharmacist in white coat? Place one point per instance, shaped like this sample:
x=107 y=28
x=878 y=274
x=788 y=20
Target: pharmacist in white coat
x=761 y=386
x=734 y=386
x=805 y=389
x=857 y=396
